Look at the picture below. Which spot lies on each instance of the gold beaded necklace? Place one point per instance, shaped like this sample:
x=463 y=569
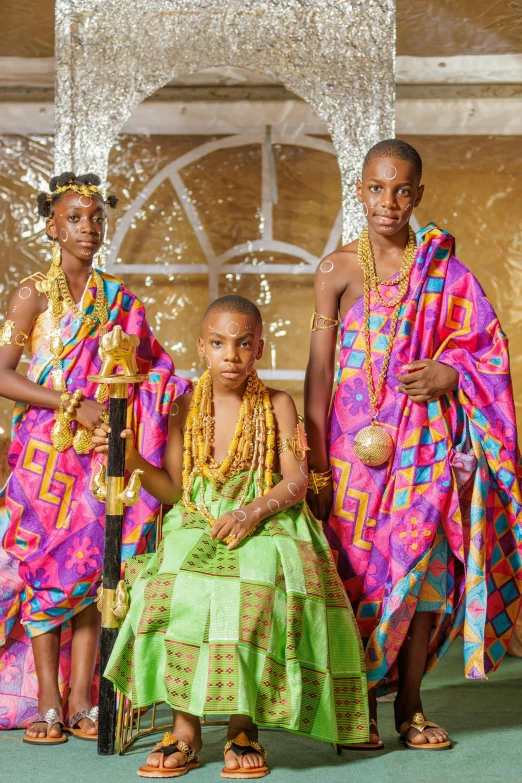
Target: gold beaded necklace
x=373 y=445
x=56 y=287
x=253 y=442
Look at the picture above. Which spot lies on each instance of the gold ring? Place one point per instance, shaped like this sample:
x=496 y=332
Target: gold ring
x=104 y=417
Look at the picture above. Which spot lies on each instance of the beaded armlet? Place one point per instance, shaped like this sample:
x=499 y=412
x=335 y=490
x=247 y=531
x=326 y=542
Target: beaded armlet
x=297 y=444
x=319 y=323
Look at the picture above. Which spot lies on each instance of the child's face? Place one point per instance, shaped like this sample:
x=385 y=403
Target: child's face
x=230 y=344
x=388 y=192
x=78 y=224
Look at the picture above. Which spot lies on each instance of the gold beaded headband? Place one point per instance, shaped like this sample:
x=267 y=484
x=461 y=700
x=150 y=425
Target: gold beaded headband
x=84 y=190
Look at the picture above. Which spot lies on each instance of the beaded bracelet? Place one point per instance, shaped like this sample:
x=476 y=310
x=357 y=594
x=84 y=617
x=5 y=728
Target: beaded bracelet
x=70 y=411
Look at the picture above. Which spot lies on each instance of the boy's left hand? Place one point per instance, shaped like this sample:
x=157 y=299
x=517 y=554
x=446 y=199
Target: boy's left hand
x=427 y=380
x=233 y=523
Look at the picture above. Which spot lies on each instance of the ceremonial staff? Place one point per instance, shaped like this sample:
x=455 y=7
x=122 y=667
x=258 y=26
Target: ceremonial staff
x=117 y=349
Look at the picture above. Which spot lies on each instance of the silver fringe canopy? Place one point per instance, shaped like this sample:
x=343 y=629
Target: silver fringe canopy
x=336 y=55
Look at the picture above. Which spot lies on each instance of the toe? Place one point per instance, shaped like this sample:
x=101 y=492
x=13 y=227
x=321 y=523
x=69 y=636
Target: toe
x=153 y=760
x=55 y=731
x=174 y=760
x=231 y=761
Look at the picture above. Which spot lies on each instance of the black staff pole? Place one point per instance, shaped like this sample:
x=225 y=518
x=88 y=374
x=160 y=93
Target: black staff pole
x=117 y=349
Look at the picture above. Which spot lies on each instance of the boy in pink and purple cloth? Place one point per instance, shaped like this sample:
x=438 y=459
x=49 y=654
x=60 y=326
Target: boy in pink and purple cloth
x=414 y=466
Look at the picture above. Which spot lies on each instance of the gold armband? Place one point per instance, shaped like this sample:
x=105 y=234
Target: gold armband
x=7 y=338
x=297 y=444
x=320 y=322
x=317 y=481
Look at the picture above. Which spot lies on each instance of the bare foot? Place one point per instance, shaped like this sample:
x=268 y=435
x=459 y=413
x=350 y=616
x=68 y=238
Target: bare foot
x=82 y=703
x=185 y=727
x=40 y=729
x=405 y=712
x=374 y=732
x=250 y=760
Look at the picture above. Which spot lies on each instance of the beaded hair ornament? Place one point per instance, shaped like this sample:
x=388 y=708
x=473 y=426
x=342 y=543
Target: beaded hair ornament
x=84 y=190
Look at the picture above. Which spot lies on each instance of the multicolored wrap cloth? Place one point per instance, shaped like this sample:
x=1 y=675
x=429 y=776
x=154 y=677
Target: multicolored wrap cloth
x=264 y=629
x=437 y=529
x=51 y=526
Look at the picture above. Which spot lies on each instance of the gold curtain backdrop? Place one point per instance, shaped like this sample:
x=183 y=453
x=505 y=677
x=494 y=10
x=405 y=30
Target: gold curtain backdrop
x=473 y=187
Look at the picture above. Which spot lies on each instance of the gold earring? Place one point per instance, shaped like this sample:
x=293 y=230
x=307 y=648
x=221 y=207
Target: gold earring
x=56 y=253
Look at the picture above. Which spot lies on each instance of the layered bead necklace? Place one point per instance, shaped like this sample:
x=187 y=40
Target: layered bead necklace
x=373 y=445
x=56 y=287
x=253 y=442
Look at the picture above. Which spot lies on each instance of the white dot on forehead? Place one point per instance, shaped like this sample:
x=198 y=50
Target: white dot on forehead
x=326 y=266
x=239 y=515
x=233 y=329
x=87 y=199
x=390 y=172
x=24 y=292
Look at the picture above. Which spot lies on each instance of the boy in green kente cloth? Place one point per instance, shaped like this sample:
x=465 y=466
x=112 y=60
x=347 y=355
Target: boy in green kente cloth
x=241 y=610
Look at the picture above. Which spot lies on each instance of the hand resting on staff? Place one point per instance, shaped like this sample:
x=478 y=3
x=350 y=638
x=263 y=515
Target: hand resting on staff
x=100 y=438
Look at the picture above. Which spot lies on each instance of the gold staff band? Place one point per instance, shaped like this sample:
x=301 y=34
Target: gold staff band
x=318 y=322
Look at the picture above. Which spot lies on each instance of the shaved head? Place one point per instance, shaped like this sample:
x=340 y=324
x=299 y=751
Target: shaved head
x=235 y=304
x=395 y=148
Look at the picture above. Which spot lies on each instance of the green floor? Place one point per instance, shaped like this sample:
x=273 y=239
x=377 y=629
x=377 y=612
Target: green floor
x=484 y=719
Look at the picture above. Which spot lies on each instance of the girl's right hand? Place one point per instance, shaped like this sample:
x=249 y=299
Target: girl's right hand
x=88 y=413
x=100 y=438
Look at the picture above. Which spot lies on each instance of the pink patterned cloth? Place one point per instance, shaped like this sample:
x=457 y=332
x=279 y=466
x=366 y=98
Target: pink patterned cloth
x=51 y=525
x=438 y=527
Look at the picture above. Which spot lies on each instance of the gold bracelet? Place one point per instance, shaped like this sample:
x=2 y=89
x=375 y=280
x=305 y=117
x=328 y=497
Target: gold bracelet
x=70 y=411
x=297 y=444
x=320 y=322
x=6 y=335
x=317 y=481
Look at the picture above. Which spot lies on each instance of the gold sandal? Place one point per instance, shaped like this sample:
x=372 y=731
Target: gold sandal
x=241 y=745
x=420 y=723
x=169 y=745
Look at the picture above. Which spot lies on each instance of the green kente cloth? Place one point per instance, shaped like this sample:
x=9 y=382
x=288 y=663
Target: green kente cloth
x=264 y=630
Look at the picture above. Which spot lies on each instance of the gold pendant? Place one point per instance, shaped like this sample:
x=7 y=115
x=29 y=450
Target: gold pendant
x=61 y=433
x=82 y=441
x=56 y=346
x=373 y=445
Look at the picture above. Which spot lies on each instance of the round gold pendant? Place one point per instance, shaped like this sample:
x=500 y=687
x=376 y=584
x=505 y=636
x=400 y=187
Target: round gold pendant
x=373 y=445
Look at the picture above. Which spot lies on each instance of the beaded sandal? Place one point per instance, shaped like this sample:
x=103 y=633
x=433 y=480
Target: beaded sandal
x=420 y=723
x=379 y=745
x=169 y=745
x=52 y=718
x=73 y=728
x=242 y=745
